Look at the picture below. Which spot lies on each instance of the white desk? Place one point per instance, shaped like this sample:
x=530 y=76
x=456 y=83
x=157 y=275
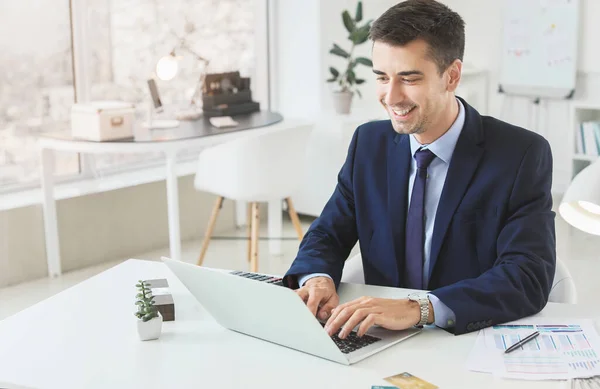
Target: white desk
x=168 y=142
x=85 y=337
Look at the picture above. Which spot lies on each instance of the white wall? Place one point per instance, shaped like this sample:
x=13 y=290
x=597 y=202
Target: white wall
x=483 y=38
x=296 y=48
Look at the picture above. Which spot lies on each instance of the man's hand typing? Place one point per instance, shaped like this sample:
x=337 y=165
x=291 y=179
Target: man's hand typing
x=320 y=296
x=392 y=314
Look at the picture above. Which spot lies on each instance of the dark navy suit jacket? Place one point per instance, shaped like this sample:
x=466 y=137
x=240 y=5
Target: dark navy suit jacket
x=493 y=250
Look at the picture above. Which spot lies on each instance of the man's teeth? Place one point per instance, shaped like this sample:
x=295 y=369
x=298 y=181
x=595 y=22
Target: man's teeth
x=403 y=112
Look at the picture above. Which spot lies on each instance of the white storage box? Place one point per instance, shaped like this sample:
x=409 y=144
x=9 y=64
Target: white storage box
x=102 y=120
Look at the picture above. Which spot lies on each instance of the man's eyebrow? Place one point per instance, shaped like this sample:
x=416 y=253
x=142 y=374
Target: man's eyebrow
x=411 y=73
x=401 y=74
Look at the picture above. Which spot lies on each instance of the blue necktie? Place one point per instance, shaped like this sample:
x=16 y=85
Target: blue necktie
x=415 y=224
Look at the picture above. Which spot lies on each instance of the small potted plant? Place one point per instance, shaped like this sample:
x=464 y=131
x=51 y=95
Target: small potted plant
x=347 y=80
x=149 y=324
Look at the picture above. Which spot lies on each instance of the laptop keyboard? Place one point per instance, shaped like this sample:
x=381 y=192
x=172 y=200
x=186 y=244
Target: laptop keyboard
x=352 y=342
x=259 y=277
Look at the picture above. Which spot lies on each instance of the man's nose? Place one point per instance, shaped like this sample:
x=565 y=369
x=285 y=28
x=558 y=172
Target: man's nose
x=395 y=94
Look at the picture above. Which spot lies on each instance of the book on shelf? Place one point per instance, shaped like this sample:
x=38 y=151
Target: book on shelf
x=588 y=139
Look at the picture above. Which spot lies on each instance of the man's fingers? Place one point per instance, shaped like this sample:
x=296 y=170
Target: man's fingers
x=336 y=311
x=313 y=302
x=359 y=315
x=369 y=322
x=335 y=323
x=303 y=293
x=326 y=309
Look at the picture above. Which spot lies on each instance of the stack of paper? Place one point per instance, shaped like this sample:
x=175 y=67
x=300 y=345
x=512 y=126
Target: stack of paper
x=561 y=351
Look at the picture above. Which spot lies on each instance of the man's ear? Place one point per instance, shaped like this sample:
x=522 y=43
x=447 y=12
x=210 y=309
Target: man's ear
x=453 y=75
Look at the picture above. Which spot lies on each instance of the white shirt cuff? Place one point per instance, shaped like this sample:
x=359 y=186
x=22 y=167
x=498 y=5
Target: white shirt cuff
x=302 y=280
x=444 y=316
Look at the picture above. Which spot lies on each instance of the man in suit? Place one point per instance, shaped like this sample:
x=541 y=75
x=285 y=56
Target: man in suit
x=439 y=197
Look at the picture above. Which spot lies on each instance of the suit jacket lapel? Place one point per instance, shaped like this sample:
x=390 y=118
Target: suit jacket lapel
x=398 y=171
x=464 y=163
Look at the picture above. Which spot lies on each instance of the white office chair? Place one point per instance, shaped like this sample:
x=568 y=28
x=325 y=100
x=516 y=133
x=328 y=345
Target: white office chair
x=255 y=169
x=563 y=287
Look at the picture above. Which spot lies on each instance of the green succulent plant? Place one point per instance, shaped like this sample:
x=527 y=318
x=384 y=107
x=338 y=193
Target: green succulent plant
x=145 y=302
x=347 y=80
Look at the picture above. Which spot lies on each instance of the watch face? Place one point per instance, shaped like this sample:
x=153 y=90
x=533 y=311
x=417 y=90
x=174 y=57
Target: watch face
x=415 y=296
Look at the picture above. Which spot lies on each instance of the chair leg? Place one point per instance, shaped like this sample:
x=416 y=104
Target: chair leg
x=295 y=218
x=249 y=221
x=254 y=239
x=209 y=229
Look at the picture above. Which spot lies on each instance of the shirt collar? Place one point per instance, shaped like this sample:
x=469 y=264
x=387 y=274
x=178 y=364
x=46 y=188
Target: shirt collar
x=443 y=147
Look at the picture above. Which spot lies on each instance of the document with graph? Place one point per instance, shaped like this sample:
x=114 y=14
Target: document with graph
x=562 y=350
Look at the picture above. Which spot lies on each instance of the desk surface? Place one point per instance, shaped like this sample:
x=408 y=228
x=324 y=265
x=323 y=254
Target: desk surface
x=187 y=129
x=85 y=337
x=188 y=135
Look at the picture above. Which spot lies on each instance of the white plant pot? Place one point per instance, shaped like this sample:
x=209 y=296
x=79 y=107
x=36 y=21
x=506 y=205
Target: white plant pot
x=342 y=101
x=150 y=329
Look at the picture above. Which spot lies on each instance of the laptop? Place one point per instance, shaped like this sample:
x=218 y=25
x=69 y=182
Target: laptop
x=260 y=306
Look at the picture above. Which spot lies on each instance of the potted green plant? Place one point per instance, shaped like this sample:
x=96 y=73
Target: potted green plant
x=347 y=80
x=149 y=324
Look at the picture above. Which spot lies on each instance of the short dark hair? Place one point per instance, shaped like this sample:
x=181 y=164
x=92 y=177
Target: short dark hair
x=429 y=20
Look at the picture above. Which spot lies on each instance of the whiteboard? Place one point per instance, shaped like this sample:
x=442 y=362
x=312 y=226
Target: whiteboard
x=539 y=50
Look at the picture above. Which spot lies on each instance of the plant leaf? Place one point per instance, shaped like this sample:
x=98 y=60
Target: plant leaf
x=364 y=61
x=358 y=93
x=334 y=72
x=337 y=50
x=351 y=77
x=360 y=35
x=359 y=81
x=348 y=22
x=359 y=13
x=139 y=295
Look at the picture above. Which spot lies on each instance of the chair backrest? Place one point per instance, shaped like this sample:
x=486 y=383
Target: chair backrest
x=563 y=287
x=256 y=168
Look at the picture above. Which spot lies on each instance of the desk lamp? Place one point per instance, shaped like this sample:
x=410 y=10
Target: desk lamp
x=580 y=206
x=168 y=66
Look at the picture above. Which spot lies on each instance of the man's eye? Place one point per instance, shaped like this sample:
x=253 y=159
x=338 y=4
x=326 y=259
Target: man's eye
x=409 y=81
x=381 y=78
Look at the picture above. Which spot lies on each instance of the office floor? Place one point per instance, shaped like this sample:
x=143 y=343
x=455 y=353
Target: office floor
x=581 y=253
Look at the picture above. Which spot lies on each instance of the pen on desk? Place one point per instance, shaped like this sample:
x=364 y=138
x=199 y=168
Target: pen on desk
x=521 y=342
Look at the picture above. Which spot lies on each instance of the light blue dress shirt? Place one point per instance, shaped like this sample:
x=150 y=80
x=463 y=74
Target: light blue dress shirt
x=443 y=148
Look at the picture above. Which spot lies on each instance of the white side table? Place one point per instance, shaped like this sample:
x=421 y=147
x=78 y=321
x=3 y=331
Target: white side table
x=188 y=135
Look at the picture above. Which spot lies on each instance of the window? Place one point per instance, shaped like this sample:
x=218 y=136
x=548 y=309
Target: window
x=128 y=38
x=36 y=85
x=123 y=42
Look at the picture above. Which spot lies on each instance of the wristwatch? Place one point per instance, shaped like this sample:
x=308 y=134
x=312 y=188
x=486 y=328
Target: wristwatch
x=423 y=305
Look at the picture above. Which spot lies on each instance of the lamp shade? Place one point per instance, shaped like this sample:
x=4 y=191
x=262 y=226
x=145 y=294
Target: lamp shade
x=580 y=206
x=167 y=67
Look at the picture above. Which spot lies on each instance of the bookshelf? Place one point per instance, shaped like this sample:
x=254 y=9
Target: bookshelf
x=581 y=111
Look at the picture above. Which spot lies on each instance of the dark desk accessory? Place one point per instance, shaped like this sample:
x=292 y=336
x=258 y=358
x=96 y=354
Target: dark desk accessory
x=522 y=342
x=227 y=94
x=163 y=300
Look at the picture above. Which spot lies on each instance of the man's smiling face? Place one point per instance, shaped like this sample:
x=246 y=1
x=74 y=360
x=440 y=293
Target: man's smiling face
x=409 y=86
